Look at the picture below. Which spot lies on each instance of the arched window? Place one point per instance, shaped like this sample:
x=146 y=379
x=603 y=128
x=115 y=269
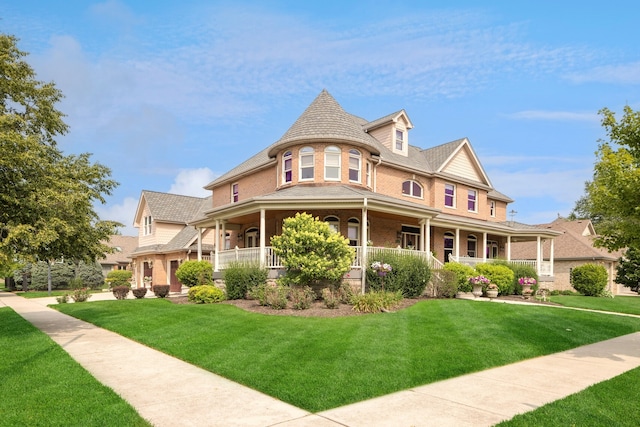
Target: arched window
x=353 y=231
x=286 y=167
x=332 y=163
x=412 y=188
x=306 y=164
x=354 y=165
x=334 y=223
x=472 y=245
x=448 y=245
x=252 y=238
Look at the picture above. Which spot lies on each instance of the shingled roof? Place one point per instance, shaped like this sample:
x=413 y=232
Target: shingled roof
x=174 y=208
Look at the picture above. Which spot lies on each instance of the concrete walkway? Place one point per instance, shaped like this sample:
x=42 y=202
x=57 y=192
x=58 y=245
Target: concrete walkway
x=195 y=397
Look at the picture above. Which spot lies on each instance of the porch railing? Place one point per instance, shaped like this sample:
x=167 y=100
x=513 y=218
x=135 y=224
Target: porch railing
x=272 y=261
x=545 y=266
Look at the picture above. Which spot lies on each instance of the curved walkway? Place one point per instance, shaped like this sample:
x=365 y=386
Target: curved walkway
x=195 y=397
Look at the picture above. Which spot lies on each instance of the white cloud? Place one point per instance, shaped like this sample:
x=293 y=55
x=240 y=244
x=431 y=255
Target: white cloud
x=190 y=182
x=617 y=74
x=554 y=115
x=123 y=213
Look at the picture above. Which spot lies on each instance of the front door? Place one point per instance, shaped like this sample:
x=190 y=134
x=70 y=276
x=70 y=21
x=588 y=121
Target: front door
x=174 y=283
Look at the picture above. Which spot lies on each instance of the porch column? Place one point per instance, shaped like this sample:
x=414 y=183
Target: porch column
x=553 y=241
x=508 y=248
x=199 y=244
x=363 y=238
x=427 y=238
x=262 y=238
x=458 y=243
x=224 y=235
x=216 y=245
x=538 y=255
x=484 y=245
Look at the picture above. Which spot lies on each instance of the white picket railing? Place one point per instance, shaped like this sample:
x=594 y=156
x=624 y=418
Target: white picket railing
x=545 y=266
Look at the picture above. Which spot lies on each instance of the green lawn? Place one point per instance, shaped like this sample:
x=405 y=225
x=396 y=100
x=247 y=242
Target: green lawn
x=321 y=363
x=624 y=304
x=609 y=403
x=56 y=293
x=41 y=385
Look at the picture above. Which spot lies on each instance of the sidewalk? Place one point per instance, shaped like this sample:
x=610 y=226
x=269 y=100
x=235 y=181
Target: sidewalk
x=195 y=397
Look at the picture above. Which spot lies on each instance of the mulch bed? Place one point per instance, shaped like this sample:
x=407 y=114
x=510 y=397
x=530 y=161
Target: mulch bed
x=318 y=308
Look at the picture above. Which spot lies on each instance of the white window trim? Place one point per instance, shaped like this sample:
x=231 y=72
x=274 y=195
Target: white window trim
x=355 y=223
x=333 y=152
x=475 y=200
x=410 y=194
x=368 y=169
x=309 y=153
x=146 y=228
x=333 y=221
x=287 y=156
x=492 y=208
x=233 y=193
x=355 y=154
x=454 y=196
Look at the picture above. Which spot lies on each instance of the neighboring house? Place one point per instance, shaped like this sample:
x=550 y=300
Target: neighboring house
x=165 y=239
x=367 y=181
x=573 y=248
x=120 y=259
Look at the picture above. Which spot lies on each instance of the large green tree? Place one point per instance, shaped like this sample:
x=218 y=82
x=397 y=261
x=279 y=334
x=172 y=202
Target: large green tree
x=46 y=198
x=612 y=197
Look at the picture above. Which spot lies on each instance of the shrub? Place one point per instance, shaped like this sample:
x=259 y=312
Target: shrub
x=239 y=277
x=80 y=295
x=160 y=291
x=90 y=274
x=139 y=292
x=270 y=294
x=498 y=274
x=63 y=299
x=194 y=273
x=462 y=272
x=589 y=279
x=302 y=297
x=520 y=270
x=119 y=278
x=120 y=292
x=331 y=298
x=38 y=275
x=443 y=284
x=376 y=301
x=409 y=274
x=205 y=294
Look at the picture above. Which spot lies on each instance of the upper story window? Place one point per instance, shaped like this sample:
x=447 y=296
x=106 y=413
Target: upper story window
x=492 y=208
x=235 y=193
x=368 y=173
x=332 y=163
x=146 y=229
x=450 y=195
x=306 y=164
x=334 y=223
x=399 y=140
x=354 y=165
x=286 y=167
x=472 y=201
x=412 y=188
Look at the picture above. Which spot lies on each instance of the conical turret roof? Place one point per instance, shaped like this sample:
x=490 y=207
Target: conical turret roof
x=325 y=120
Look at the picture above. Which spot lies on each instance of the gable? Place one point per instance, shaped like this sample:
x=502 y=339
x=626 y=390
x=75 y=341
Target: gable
x=463 y=163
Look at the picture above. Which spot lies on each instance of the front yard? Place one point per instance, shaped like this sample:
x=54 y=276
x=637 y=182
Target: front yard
x=321 y=363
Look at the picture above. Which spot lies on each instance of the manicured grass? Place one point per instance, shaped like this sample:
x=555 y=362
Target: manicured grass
x=609 y=403
x=621 y=304
x=41 y=385
x=321 y=363
x=56 y=293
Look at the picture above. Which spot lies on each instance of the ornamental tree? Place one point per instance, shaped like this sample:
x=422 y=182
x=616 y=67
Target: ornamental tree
x=311 y=251
x=628 y=270
x=46 y=197
x=612 y=197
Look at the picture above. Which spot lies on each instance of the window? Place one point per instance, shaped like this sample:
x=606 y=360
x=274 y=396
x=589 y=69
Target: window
x=354 y=165
x=146 y=229
x=399 y=140
x=492 y=249
x=410 y=237
x=472 y=199
x=332 y=163
x=306 y=164
x=472 y=244
x=450 y=195
x=411 y=188
x=234 y=193
x=252 y=238
x=353 y=232
x=448 y=245
x=492 y=208
x=286 y=167
x=368 y=173
x=334 y=223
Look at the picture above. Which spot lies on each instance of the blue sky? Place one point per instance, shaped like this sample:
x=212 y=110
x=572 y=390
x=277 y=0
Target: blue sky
x=170 y=95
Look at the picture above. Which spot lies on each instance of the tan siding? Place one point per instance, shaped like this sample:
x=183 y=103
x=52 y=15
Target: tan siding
x=463 y=166
x=384 y=134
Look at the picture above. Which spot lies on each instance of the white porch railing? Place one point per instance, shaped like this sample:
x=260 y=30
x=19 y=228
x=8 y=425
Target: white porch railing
x=272 y=261
x=544 y=270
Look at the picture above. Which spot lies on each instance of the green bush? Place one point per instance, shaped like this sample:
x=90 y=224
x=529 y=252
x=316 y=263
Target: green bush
x=376 y=301
x=205 y=294
x=90 y=274
x=239 y=277
x=80 y=295
x=463 y=272
x=443 y=284
x=409 y=275
x=160 y=291
x=194 y=273
x=498 y=274
x=139 y=292
x=302 y=297
x=38 y=275
x=519 y=271
x=120 y=292
x=270 y=294
x=589 y=279
x=331 y=298
x=117 y=278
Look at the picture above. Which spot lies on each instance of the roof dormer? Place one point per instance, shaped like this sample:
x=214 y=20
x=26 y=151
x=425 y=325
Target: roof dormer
x=392 y=131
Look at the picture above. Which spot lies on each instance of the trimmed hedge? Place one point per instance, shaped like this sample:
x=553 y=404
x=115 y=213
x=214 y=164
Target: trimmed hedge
x=239 y=277
x=205 y=294
x=589 y=279
x=409 y=275
x=120 y=292
x=160 y=291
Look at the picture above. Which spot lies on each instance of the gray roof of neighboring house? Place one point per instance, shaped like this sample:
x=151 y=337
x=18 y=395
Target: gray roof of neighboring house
x=125 y=247
x=174 y=208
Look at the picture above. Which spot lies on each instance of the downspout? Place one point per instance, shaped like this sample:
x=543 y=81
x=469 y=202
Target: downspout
x=375 y=175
